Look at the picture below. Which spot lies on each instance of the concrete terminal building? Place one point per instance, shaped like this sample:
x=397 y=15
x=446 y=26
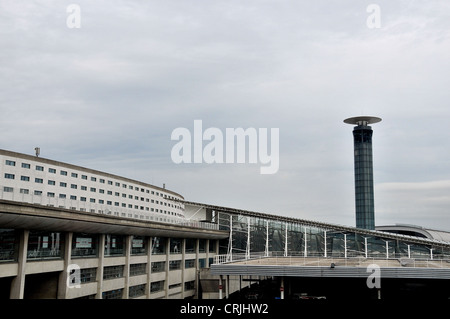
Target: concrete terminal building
x=121 y=237
x=73 y=232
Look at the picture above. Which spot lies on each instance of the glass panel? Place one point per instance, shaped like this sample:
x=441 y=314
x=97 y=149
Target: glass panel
x=44 y=245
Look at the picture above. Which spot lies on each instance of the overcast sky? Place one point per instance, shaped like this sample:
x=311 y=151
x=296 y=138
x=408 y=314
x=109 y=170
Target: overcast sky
x=109 y=94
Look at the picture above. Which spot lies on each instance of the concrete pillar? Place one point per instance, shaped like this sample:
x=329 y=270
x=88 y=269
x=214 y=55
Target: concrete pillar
x=18 y=283
x=282 y=288
x=166 y=281
x=101 y=258
x=183 y=264
x=126 y=270
x=149 y=265
x=227 y=292
x=62 y=285
x=220 y=287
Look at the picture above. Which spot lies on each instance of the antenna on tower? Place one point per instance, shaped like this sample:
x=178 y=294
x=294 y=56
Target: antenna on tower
x=38 y=151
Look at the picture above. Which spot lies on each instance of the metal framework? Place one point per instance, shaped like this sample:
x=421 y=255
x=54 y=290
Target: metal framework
x=322 y=225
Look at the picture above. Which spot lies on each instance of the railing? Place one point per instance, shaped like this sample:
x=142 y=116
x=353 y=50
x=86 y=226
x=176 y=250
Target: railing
x=102 y=209
x=274 y=258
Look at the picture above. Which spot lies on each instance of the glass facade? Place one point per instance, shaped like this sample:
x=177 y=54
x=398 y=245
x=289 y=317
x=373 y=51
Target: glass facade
x=84 y=245
x=45 y=245
x=8 y=245
x=253 y=236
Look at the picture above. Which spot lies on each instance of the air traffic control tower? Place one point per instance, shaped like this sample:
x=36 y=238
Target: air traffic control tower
x=364 y=199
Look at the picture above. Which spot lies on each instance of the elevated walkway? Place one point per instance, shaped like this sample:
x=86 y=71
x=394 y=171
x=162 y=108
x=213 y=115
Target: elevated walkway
x=357 y=267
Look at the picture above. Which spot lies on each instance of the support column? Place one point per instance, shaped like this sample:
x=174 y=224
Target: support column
x=282 y=288
x=267 y=239
x=166 y=281
x=306 y=243
x=365 y=247
x=62 y=285
x=128 y=241
x=18 y=283
x=345 y=245
x=227 y=291
x=183 y=264
x=286 y=240
x=220 y=287
x=101 y=258
x=149 y=265
x=247 y=251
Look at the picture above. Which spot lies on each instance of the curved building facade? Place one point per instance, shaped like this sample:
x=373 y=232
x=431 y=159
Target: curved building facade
x=418 y=231
x=36 y=180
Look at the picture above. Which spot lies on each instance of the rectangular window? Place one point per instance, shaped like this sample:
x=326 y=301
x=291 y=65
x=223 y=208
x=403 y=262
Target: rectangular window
x=189 y=285
x=52 y=170
x=88 y=275
x=74 y=175
x=38 y=193
x=138 y=269
x=50 y=194
x=25 y=178
x=157 y=286
x=136 y=291
x=39 y=180
x=174 y=264
x=84 y=177
x=51 y=182
x=9 y=176
x=26 y=165
x=113 y=294
x=73 y=186
x=93 y=179
x=24 y=191
x=62 y=195
x=10 y=163
x=8 y=189
x=64 y=173
x=158 y=266
x=112 y=272
x=73 y=197
x=39 y=168
x=62 y=184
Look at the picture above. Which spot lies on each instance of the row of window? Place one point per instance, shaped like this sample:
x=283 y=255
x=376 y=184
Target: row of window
x=24 y=191
x=140 y=290
x=85 y=177
x=93 y=190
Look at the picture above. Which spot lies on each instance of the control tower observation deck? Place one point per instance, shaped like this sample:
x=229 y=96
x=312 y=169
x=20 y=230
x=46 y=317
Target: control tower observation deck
x=364 y=198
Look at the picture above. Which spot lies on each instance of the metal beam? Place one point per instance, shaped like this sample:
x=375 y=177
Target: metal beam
x=325 y=226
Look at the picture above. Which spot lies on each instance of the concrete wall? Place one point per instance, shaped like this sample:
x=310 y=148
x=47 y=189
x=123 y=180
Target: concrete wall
x=48 y=278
